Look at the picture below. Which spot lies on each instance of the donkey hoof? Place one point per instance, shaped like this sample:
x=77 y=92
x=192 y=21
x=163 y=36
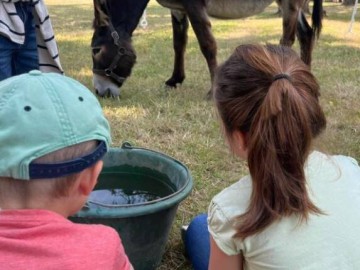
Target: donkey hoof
x=170 y=84
x=173 y=82
x=170 y=87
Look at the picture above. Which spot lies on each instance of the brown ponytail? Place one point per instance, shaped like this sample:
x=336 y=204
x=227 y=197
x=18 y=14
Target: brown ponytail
x=269 y=94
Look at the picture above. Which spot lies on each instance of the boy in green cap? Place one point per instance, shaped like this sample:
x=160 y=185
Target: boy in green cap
x=53 y=135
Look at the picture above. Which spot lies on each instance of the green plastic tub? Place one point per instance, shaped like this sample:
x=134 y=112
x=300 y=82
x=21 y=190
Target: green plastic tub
x=143 y=226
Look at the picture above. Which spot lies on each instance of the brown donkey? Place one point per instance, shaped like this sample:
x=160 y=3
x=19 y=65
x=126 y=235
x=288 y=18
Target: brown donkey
x=115 y=20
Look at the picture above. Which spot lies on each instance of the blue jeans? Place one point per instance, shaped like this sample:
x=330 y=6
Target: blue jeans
x=197 y=243
x=16 y=58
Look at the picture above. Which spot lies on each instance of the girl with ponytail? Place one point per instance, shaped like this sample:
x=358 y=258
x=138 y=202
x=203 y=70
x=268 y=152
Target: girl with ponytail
x=298 y=208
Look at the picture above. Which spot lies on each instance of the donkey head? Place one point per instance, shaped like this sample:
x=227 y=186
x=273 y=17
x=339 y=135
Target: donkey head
x=112 y=63
x=112 y=53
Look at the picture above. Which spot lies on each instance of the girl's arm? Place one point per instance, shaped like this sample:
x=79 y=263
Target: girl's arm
x=219 y=260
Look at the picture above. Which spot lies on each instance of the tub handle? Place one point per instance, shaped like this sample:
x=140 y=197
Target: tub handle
x=126 y=145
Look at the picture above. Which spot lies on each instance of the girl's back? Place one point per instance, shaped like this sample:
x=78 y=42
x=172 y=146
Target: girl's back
x=327 y=241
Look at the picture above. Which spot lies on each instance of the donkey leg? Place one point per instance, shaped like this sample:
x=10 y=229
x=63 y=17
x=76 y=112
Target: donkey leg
x=180 y=26
x=201 y=25
x=306 y=39
x=307 y=34
x=290 y=11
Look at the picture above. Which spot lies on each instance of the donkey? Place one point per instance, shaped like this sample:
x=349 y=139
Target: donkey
x=115 y=21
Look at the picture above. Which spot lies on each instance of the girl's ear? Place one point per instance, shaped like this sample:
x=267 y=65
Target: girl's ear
x=239 y=144
x=88 y=178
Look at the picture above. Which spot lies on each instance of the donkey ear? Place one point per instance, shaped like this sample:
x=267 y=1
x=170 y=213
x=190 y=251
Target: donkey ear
x=100 y=17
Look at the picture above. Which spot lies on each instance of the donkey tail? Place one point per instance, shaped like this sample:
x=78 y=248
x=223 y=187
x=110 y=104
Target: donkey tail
x=317 y=16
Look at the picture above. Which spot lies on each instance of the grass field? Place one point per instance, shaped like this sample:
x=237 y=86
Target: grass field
x=180 y=122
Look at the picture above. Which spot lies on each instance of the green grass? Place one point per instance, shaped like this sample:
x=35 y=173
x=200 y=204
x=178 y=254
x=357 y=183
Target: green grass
x=180 y=122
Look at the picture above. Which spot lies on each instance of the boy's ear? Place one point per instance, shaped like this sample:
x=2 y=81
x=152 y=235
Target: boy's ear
x=88 y=178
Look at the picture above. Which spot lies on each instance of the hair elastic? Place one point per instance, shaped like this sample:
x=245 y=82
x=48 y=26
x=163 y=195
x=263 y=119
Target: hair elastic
x=281 y=76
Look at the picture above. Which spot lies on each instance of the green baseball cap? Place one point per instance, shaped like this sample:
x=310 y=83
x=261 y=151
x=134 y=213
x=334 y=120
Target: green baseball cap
x=44 y=112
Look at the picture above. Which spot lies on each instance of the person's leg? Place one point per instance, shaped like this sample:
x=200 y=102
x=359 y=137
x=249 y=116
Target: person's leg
x=6 y=51
x=197 y=242
x=26 y=58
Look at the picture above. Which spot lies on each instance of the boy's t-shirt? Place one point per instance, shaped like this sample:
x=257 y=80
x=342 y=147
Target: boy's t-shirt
x=41 y=239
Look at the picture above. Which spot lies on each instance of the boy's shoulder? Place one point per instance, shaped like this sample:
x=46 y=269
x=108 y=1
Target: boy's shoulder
x=85 y=228
x=50 y=225
x=45 y=230
x=95 y=233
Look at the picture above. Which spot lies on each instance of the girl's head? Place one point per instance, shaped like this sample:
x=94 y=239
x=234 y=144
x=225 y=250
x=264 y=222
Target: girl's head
x=260 y=84
x=267 y=94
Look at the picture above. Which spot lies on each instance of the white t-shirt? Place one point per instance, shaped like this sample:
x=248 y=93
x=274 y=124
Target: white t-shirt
x=330 y=241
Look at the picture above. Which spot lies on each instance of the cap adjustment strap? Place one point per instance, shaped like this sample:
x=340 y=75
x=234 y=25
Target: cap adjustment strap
x=41 y=170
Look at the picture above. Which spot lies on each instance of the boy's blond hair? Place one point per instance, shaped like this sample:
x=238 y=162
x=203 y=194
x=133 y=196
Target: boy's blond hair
x=54 y=187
